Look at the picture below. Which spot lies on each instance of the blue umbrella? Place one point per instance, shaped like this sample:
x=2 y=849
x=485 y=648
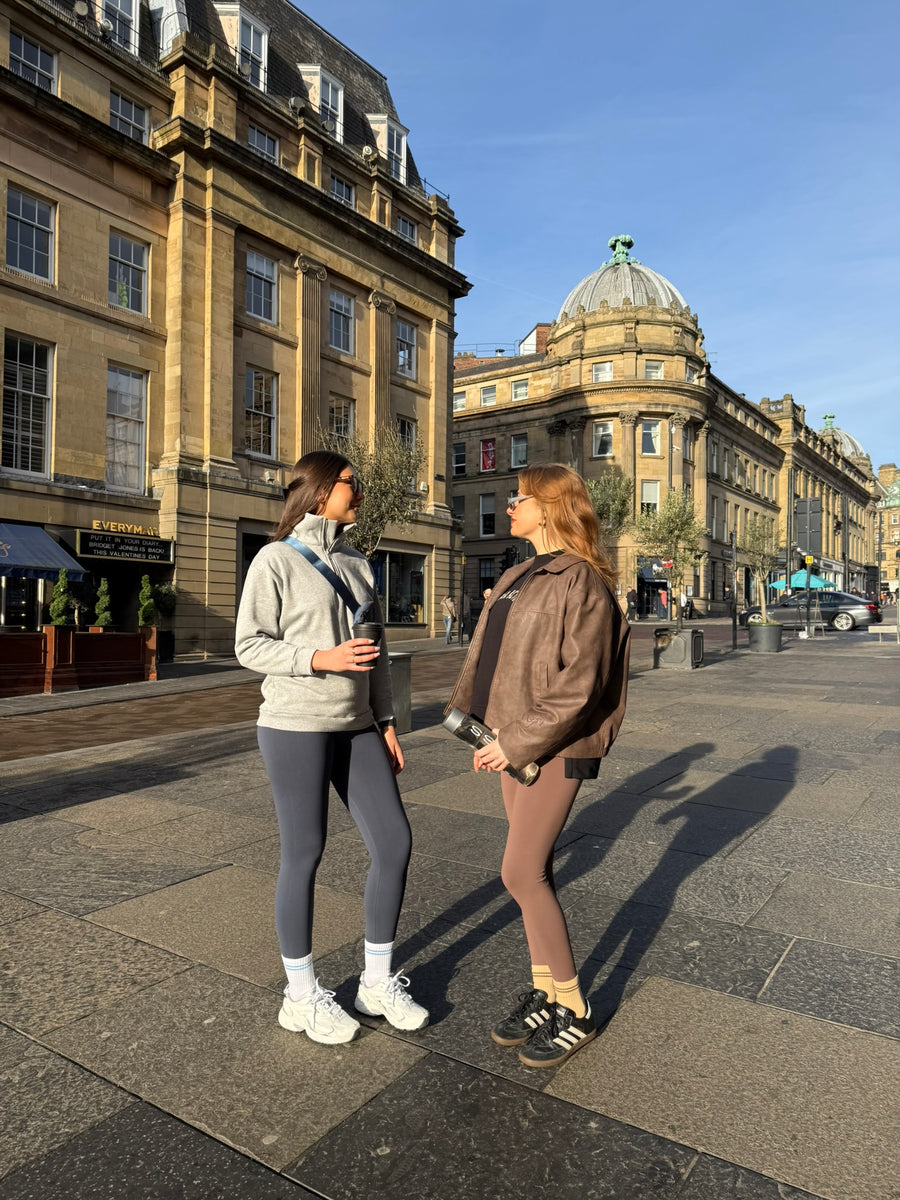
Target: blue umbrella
x=798 y=580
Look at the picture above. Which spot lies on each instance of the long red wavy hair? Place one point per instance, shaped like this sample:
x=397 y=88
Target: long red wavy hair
x=571 y=522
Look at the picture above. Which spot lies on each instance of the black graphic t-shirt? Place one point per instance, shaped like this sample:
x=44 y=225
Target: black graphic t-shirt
x=576 y=768
x=493 y=637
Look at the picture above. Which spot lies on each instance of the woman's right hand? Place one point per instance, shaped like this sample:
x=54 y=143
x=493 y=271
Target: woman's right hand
x=357 y=654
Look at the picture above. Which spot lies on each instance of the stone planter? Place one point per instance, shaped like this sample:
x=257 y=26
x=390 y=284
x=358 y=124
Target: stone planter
x=100 y=629
x=765 y=639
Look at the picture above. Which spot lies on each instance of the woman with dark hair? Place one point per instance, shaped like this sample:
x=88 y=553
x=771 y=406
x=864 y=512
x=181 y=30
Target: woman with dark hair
x=327 y=717
x=547 y=670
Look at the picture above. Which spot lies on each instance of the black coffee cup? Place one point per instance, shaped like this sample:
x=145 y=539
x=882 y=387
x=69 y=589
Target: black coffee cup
x=368 y=629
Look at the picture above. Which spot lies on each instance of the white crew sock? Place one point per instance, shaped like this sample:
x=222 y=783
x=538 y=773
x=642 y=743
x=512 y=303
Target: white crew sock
x=301 y=976
x=378 y=962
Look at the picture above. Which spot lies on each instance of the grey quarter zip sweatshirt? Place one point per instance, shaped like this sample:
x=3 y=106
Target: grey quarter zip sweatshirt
x=288 y=611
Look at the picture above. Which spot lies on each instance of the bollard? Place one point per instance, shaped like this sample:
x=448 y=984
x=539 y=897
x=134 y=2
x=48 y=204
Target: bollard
x=401 y=686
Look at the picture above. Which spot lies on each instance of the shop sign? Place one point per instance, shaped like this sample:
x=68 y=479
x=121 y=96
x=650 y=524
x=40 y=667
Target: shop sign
x=91 y=543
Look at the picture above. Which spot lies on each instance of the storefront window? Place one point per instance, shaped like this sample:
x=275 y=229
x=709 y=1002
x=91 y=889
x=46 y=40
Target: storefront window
x=399 y=580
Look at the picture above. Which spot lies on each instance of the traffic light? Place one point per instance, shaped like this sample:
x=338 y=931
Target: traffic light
x=510 y=557
x=808 y=514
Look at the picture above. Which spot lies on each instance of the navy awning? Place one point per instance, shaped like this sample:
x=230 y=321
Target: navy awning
x=27 y=551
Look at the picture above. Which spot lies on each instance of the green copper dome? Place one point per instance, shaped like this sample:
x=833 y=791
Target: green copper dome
x=620 y=278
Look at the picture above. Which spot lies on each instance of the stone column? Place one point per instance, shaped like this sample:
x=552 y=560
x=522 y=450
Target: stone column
x=576 y=437
x=381 y=355
x=676 y=452
x=555 y=429
x=311 y=277
x=219 y=390
x=628 y=420
x=441 y=419
x=701 y=469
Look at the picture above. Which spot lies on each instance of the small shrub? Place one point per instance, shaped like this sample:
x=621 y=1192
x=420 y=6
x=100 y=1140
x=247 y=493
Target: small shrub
x=102 y=613
x=62 y=601
x=146 y=604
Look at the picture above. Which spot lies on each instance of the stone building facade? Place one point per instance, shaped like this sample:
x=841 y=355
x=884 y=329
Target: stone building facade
x=888 y=531
x=620 y=382
x=219 y=242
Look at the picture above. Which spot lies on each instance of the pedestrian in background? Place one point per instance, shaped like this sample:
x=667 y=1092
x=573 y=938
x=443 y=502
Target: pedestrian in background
x=547 y=670
x=326 y=717
x=631 y=598
x=448 y=611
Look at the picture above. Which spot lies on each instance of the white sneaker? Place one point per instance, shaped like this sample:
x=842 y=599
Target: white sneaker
x=319 y=1017
x=389 y=998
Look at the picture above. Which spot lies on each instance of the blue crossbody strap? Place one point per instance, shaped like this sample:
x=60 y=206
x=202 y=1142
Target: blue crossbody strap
x=359 y=611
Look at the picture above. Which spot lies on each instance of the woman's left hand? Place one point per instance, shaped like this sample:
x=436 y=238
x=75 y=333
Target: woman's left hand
x=490 y=757
x=392 y=745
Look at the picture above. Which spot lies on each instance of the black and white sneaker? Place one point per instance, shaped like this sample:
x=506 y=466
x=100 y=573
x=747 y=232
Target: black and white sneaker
x=559 y=1037
x=525 y=1019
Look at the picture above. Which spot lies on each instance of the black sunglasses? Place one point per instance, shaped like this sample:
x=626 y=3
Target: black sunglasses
x=353 y=482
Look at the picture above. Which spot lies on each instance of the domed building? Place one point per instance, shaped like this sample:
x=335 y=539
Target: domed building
x=619 y=385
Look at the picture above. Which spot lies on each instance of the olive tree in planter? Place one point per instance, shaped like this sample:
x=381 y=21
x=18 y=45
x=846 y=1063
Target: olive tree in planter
x=759 y=550
x=102 y=612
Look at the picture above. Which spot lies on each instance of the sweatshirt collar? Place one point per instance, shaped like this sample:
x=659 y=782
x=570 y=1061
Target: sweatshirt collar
x=320 y=534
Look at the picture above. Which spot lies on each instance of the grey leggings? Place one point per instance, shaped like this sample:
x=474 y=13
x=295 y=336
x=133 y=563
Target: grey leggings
x=300 y=767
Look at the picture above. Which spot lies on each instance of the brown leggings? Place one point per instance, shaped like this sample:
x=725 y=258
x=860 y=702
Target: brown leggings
x=536 y=817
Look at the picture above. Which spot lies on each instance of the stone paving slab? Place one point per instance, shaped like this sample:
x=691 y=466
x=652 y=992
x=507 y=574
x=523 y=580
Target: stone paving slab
x=225 y=919
x=799 y=1100
x=45 y=1100
x=880 y=811
x=839 y=984
x=206 y=1048
x=56 y=968
x=860 y=855
x=471 y=792
x=691 y=827
x=67 y=866
x=833 y=910
x=210 y=834
x=124 y=812
x=14 y=908
x=448 y=1132
x=713 y=1179
x=650 y=874
x=141 y=1151
x=642 y=937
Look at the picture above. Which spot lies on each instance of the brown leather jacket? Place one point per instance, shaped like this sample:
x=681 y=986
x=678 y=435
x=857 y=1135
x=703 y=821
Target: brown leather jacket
x=562 y=673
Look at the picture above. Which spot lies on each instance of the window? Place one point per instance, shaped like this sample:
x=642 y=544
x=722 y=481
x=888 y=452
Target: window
x=26 y=404
x=343 y=192
x=458 y=508
x=260 y=397
x=340 y=321
x=31 y=61
x=714 y=458
x=399 y=581
x=601 y=442
x=518 y=450
x=459 y=401
x=713 y=515
x=396 y=152
x=407 y=229
x=653 y=369
x=406 y=349
x=519 y=390
x=488 y=396
x=406 y=427
x=486 y=515
x=459 y=458
x=690 y=374
x=252 y=55
x=331 y=107
x=126 y=116
x=262 y=287
x=687 y=443
x=263 y=143
x=601 y=372
x=342 y=417
x=121 y=14
x=125 y=391
x=487 y=573
x=649 y=437
x=29 y=234
x=649 y=495
x=127 y=274
x=488 y=454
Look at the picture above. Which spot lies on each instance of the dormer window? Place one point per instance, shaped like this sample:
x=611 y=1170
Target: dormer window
x=396 y=152
x=253 y=52
x=331 y=107
x=120 y=14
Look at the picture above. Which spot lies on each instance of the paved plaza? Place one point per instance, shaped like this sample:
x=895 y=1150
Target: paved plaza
x=732 y=883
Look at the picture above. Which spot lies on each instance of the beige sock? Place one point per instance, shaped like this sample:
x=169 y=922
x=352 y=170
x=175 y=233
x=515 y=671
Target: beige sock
x=569 y=994
x=542 y=979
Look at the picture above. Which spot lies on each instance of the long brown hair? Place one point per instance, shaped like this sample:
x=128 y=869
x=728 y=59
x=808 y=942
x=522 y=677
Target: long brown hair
x=571 y=522
x=312 y=479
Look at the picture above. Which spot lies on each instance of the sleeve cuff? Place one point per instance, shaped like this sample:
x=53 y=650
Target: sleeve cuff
x=387 y=723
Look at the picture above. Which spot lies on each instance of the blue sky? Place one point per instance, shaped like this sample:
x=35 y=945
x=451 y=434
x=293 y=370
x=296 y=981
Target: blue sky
x=749 y=150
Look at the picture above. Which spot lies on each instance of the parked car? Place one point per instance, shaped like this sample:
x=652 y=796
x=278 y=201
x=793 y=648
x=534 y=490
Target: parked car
x=840 y=610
